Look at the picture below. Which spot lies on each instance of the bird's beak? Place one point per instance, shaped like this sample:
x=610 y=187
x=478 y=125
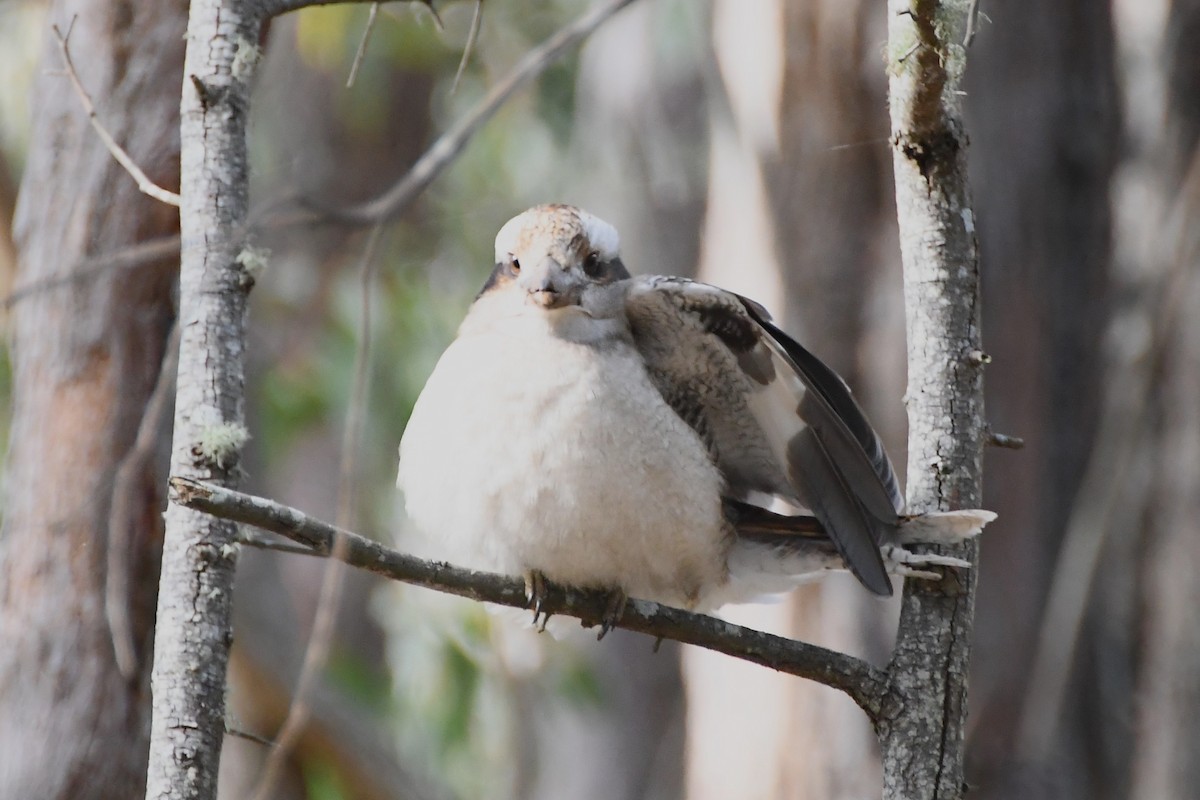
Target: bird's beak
x=547 y=285
x=547 y=298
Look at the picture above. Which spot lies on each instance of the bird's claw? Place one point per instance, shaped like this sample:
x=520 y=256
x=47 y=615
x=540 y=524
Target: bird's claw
x=613 y=609
x=915 y=565
x=535 y=594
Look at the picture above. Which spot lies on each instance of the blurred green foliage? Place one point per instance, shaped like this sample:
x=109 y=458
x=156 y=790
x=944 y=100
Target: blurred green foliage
x=322 y=781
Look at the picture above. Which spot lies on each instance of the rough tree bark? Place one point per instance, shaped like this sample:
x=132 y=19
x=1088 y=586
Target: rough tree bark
x=923 y=744
x=216 y=272
x=86 y=356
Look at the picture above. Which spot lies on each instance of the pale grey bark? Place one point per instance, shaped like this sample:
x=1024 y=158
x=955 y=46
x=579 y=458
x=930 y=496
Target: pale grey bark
x=923 y=743
x=86 y=350
x=199 y=553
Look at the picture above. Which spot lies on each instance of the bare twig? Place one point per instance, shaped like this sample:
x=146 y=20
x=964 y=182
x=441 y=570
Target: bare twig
x=865 y=684
x=260 y=543
x=329 y=602
x=248 y=736
x=144 y=184
x=472 y=35
x=1004 y=440
x=451 y=143
x=125 y=498
x=265 y=216
x=437 y=18
x=972 y=23
x=91 y=268
x=362 y=46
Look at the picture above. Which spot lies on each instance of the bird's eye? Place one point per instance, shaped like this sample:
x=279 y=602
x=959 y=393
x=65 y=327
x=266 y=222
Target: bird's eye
x=591 y=265
x=514 y=265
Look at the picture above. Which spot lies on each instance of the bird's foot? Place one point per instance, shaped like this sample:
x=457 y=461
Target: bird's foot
x=915 y=565
x=613 y=610
x=535 y=594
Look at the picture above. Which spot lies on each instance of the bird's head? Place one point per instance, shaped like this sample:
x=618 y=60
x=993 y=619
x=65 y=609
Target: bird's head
x=551 y=255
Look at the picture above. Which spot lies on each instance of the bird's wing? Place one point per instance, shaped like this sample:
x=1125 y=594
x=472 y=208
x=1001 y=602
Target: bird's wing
x=779 y=423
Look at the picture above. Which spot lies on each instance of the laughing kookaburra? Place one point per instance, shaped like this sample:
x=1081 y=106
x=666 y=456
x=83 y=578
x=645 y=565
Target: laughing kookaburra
x=652 y=436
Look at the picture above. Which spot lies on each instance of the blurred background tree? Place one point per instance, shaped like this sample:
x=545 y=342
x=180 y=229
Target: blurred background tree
x=744 y=143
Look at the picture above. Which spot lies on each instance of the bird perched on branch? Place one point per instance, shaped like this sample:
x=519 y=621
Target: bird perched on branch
x=656 y=437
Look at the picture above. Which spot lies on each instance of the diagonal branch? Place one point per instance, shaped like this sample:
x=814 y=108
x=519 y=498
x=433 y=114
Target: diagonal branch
x=865 y=684
x=361 y=53
x=472 y=36
x=144 y=184
x=450 y=144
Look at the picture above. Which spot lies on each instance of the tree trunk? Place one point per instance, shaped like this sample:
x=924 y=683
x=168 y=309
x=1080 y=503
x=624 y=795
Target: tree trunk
x=923 y=744
x=217 y=269
x=86 y=356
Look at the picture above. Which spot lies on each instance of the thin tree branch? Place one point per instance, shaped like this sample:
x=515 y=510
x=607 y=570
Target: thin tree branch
x=248 y=736
x=126 y=497
x=1003 y=440
x=972 y=23
x=362 y=46
x=450 y=144
x=260 y=543
x=266 y=216
x=472 y=35
x=433 y=12
x=866 y=685
x=144 y=184
x=92 y=268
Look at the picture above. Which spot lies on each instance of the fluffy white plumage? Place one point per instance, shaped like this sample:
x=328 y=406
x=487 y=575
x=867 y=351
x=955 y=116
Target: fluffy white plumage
x=627 y=433
x=507 y=477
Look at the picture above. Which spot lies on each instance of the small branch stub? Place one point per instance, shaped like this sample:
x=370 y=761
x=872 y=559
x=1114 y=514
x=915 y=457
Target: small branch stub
x=1005 y=441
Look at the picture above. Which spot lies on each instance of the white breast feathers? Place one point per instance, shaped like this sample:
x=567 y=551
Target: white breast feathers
x=530 y=452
